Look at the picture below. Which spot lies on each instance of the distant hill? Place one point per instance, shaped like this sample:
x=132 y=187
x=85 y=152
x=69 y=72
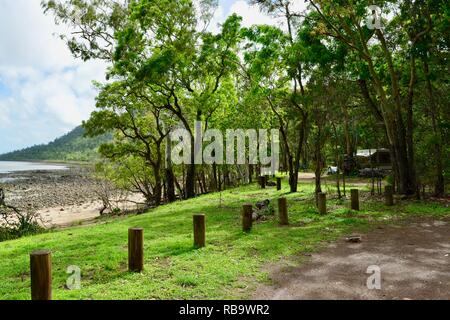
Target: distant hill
x=70 y=147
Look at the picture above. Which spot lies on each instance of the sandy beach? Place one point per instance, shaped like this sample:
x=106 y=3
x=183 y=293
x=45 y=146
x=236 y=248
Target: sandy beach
x=61 y=198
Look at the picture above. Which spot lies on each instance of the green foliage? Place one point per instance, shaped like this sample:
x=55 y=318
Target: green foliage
x=16 y=223
x=73 y=146
x=93 y=20
x=27 y=229
x=328 y=81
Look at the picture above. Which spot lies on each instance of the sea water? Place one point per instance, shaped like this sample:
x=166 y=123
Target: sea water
x=16 y=166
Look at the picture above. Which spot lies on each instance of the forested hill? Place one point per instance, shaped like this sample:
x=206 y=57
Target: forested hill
x=70 y=147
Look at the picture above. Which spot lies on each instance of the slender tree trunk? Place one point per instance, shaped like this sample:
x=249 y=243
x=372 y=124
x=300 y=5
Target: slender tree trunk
x=170 y=177
x=439 y=187
x=216 y=181
x=410 y=128
x=205 y=185
x=191 y=172
x=226 y=177
x=336 y=154
x=200 y=184
x=405 y=162
x=318 y=170
x=344 y=183
x=157 y=192
x=293 y=178
x=301 y=141
x=392 y=115
x=348 y=140
x=318 y=177
x=220 y=178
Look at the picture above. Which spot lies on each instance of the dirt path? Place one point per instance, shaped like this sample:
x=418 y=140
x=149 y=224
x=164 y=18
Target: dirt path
x=413 y=257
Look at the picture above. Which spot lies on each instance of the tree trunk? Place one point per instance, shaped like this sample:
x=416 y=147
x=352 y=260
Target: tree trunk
x=439 y=187
x=405 y=162
x=216 y=181
x=348 y=141
x=392 y=116
x=190 y=174
x=220 y=179
x=293 y=178
x=301 y=141
x=157 y=192
x=205 y=185
x=226 y=177
x=318 y=171
x=336 y=155
x=170 y=178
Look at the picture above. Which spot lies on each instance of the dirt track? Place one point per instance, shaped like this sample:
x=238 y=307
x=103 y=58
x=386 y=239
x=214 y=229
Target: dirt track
x=414 y=260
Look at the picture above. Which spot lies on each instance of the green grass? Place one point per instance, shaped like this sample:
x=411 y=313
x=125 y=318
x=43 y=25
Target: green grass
x=230 y=267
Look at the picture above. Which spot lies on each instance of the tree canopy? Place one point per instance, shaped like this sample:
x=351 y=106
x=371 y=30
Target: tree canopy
x=338 y=77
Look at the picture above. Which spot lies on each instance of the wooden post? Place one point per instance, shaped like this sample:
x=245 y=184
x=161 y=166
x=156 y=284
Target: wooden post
x=136 y=249
x=278 y=184
x=262 y=182
x=283 y=211
x=355 y=199
x=389 y=195
x=322 y=203
x=247 y=217
x=199 y=231
x=41 y=275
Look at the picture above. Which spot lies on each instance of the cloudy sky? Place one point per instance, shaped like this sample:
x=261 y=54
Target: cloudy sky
x=44 y=92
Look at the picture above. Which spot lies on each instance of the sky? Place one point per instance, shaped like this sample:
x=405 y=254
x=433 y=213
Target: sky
x=44 y=91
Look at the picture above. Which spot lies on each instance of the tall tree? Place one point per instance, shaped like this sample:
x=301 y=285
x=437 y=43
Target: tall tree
x=163 y=48
x=293 y=69
x=344 y=22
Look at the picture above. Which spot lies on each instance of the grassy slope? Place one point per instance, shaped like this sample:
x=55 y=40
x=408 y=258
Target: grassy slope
x=229 y=267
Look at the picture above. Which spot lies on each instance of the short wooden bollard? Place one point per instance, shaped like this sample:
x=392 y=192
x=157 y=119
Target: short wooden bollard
x=389 y=195
x=136 y=249
x=283 y=211
x=278 y=184
x=247 y=217
x=41 y=275
x=322 y=203
x=199 y=231
x=355 y=199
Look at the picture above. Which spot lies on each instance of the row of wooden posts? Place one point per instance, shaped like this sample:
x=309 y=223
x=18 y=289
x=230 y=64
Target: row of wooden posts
x=41 y=261
x=322 y=199
x=264 y=179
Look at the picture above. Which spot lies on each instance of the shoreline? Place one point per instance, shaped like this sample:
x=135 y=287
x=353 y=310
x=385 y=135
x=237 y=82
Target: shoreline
x=60 y=197
x=68 y=162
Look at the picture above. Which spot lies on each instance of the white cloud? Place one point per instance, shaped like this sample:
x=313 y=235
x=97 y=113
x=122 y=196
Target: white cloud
x=5 y=112
x=219 y=17
x=26 y=37
x=299 y=5
x=67 y=96
x=44 y=91
x=251 y=14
